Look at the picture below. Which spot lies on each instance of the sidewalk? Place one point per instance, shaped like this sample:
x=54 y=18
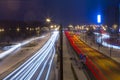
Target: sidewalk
x=67 y=71
x=71 y=70
x=110 y=52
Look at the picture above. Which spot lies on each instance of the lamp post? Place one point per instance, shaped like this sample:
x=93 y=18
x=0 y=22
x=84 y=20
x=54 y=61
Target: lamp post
x=48 y=20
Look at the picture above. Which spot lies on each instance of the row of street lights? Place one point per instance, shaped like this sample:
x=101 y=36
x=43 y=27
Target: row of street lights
x=48 y=20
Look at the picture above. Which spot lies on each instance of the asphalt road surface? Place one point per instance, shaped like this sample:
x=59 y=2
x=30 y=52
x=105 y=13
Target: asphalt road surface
x=109 y=68
x=38 y=67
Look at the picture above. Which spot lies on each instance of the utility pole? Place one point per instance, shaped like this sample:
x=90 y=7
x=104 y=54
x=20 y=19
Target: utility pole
x=110 y=51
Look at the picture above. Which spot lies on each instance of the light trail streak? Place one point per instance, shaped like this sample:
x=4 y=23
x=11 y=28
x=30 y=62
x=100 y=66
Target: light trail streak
x=5 y=53
x=101 y=39
x=28 y=69
x=50 y=66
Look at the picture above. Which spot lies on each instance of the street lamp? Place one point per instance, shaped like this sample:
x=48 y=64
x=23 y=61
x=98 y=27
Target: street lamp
x=18 y=29
x=48 y=20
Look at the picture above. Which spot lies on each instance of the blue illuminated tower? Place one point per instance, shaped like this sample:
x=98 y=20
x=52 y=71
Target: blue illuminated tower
x=99 y=18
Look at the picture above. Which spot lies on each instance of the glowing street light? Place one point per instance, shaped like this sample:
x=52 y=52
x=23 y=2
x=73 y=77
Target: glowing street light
x=18 y=29
x=51 y=26
x=27 y=28
x=115 y=26
x=48 y=20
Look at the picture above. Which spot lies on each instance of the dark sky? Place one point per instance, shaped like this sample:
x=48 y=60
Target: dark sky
x=61 y=11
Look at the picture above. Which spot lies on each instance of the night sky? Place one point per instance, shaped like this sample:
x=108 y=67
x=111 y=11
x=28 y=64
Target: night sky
x=60 y=11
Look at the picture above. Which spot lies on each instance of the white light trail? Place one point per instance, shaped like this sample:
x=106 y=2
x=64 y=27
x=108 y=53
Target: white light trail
x=5 y=53
x=41 y=72
x=101 y=39
x=50 y=66
x=28 y=69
